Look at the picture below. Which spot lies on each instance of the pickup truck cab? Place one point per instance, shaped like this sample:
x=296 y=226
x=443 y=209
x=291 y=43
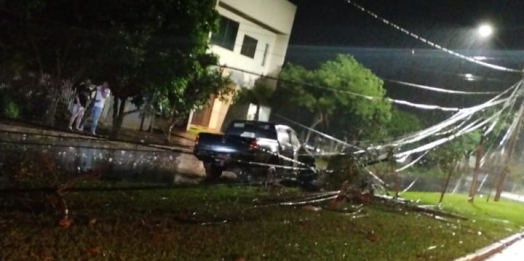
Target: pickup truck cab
x=255 y=148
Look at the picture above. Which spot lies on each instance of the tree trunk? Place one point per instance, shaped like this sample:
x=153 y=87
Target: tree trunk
x=257 y=113
x=142 y=119
x=512 y=145
x=173 y=120
x=118 y=116
x=115 y=108
x=393 y=169
x=474 y=180
x=169 y=130
x=315 y=123
x=445 y=188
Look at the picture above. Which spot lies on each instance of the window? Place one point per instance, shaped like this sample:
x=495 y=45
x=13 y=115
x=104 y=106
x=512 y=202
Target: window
x=294 y=139
x=249 y=47
x=227 y=34
x=252 y=129
x=283 y=136
x=265 y=55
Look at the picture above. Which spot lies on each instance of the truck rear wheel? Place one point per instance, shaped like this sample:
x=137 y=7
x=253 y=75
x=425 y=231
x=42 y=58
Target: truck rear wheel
x=309 y=179
x=213 y=172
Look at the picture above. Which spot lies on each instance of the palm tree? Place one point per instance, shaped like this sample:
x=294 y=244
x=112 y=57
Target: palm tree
x=259 y=95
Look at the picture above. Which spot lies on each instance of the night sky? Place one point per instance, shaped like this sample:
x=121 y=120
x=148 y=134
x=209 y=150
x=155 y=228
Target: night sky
x=337 y=23
x=325 y=28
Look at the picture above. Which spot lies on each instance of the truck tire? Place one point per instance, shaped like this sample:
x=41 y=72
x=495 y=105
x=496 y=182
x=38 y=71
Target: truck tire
x=213 y=172
x=309 y=180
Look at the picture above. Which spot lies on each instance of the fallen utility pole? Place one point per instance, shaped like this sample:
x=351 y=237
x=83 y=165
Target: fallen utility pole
x=513 y=142
x=474 y=181
x=393 y=169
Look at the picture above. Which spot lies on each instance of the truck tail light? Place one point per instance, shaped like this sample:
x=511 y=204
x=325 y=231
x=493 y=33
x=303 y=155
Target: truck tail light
x=253 y=145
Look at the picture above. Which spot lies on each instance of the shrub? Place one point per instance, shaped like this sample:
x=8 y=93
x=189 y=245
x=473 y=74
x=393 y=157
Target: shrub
x=9 y=106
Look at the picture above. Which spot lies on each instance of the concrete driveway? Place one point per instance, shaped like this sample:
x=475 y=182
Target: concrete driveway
x=516 y=251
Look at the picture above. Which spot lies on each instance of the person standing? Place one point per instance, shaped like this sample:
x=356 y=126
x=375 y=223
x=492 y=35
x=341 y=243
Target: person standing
x=102 y=92
x=79 y=107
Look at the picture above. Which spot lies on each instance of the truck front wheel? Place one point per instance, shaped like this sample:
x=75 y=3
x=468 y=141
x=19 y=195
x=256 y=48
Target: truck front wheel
x=213 y=172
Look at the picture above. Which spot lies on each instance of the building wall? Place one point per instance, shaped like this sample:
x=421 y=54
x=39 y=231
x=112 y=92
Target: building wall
x=277 y=15
x=131 y=121
x=270 y=23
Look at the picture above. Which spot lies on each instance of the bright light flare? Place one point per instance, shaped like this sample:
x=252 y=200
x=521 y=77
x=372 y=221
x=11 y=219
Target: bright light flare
x=469 y=77
x=485 y=30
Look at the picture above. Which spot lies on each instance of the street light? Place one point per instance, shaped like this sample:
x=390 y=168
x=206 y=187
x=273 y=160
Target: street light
x=485 y=30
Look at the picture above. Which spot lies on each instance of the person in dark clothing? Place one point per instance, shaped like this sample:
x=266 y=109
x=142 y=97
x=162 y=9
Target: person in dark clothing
x=79 y=107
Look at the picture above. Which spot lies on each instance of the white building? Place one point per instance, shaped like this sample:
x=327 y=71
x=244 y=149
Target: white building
x=253 y=36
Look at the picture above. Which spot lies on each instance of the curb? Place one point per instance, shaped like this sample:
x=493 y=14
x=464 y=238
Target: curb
x=488 y=251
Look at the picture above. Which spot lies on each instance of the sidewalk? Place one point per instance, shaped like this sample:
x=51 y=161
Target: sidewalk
x=511 y=196
x=514 y=252
x=179 y=159
x=179 y=142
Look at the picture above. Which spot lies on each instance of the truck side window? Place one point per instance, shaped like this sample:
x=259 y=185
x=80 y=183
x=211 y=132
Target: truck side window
x=283 y=136
x=294 y=138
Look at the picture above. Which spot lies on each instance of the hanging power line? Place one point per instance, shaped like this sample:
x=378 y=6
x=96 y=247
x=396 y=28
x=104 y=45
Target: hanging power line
x=435 y=89
x=396 y=101
x=460 y=116
x=470 y=59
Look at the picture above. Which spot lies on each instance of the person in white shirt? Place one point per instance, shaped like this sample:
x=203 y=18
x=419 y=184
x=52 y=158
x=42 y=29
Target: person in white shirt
x=102 y=92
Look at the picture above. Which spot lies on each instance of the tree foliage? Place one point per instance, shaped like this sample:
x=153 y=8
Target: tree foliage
x=142 y=48
x=259 y=95
x=192 y=94
x=43 y=40
x=402 y=123
x=334 y=88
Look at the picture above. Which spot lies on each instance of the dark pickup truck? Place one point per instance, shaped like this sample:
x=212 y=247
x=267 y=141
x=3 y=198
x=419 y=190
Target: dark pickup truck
x=255 y=148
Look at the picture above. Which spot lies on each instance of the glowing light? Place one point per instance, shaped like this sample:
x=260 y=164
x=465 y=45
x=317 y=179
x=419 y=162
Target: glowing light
x=485 y=30
x=469 y=77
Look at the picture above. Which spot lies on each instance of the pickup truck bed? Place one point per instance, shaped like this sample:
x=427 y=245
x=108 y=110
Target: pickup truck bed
x=224 y=149
x=251 y=147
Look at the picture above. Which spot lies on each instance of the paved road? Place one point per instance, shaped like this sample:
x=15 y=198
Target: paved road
x=513 y=253
x=512 y=196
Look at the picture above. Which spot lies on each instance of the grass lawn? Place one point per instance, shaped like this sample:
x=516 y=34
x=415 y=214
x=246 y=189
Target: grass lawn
x=504 y=211
x=215 y=223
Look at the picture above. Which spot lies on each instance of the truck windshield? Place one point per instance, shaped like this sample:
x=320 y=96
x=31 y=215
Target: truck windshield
x=252 y=130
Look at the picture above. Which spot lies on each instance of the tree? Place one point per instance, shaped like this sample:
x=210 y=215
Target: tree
x=139 y=47
x=402 y=123
x=46 y=41
x=494 y=131
x=259 y=95
x=162 y=50
x=335 y=87
x=448 y=162
x=204 y=84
